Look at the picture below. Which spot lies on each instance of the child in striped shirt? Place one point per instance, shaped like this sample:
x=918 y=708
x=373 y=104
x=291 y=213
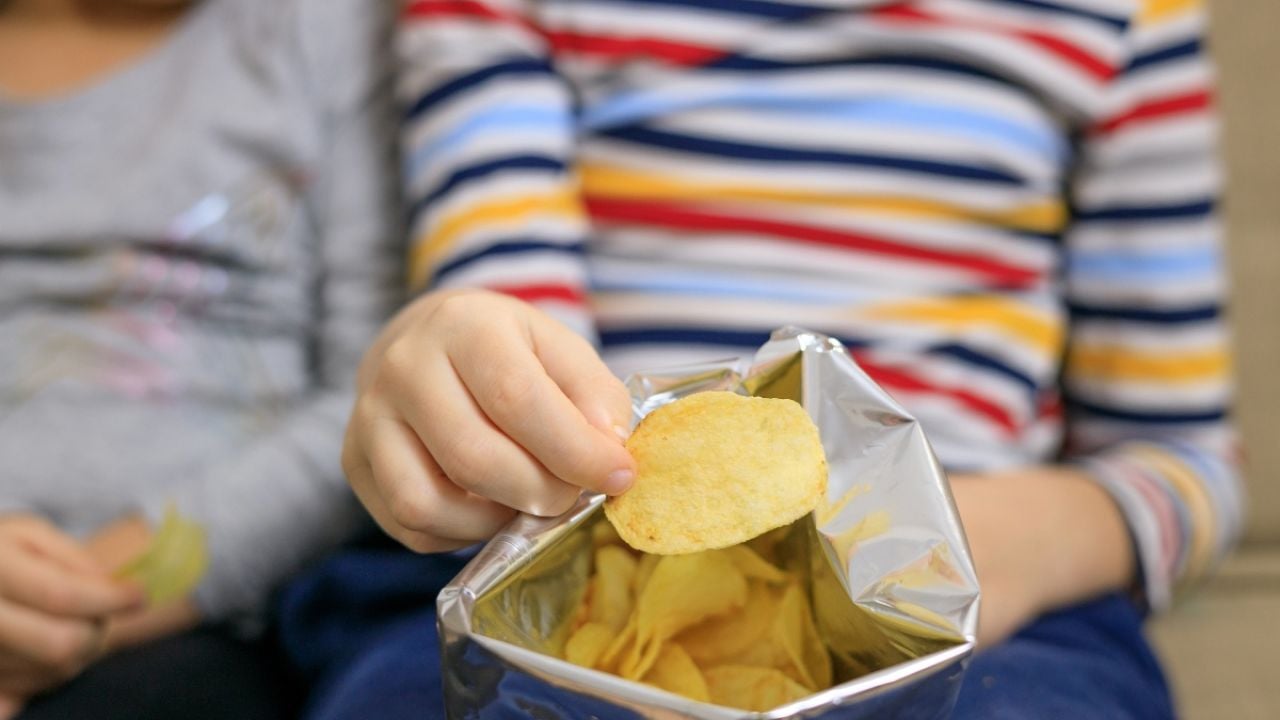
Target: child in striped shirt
x=1005 y=208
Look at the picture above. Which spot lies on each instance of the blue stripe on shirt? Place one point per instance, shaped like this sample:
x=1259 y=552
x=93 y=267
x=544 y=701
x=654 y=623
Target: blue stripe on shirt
x=1115 y=22
x=1161 y=316
x=499 y=249
x=751 y=8
x=511 y=68
x=1211 y=415
x=1147 y=213
x=487 y=169
x=1189 y=50
x=897 y=113
x=762 y=153
x=1178 y=265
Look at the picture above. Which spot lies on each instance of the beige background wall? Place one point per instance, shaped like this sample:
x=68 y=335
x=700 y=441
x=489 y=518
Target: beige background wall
x=1244 y=42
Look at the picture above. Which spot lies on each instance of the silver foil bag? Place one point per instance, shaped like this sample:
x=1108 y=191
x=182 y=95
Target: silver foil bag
x=885 y=563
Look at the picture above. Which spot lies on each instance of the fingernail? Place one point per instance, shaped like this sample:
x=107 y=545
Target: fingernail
x=619 y=481
x=621 y=432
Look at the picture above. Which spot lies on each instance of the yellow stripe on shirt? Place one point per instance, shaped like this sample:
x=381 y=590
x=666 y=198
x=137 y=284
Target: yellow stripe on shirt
x=493 y=214
x=1119 y=364
x=1025 y=323
x=1158 y=10
x=605 y=181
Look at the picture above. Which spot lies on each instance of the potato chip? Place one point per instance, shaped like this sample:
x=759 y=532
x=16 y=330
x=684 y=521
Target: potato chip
x=644 y=571
x=715 y=469
x=174 y=561
x=683 y=591
x=588 y=643
x=752 y=688
x=611 y=592
x=622 y=646
x=603 y=533
x=725 y=638
x=755 y=567
x=799 y=638
x=674 y=671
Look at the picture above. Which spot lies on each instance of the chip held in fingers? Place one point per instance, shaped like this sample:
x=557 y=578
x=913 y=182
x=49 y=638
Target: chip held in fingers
x=716 y=469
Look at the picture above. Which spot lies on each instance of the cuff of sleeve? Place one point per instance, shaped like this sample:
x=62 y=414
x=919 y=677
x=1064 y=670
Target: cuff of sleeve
x=1153 y=581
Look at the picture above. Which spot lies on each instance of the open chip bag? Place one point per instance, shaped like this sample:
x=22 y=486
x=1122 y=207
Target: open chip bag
x=864 y=608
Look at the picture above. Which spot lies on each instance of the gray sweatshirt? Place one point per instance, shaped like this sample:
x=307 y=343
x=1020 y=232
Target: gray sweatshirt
x=194 y=251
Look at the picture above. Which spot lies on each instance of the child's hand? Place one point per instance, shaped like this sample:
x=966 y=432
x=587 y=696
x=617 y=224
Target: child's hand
x=54 y=602
x=472 y=406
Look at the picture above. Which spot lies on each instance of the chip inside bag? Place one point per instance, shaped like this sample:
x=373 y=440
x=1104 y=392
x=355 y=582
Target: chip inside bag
x=790 y=549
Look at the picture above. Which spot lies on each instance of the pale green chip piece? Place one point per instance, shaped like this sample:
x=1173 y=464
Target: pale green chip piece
x=174 y=562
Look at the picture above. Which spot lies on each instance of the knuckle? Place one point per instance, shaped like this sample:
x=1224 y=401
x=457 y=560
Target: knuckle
x=467 y=461
x=513 y=393
x=411 y=511
x=400 y=360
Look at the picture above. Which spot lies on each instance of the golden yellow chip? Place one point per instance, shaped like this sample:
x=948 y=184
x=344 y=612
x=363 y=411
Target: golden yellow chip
x=588 y=643
x=716 y=469
x=622 y=647
x=752 y=688
x=726 y=638
x=611 y=587
x=683 y=591
x=674 y=671
x=754 y=566
x=799 y=637
x=173 y=562
x=603 y=533
x=644 y=571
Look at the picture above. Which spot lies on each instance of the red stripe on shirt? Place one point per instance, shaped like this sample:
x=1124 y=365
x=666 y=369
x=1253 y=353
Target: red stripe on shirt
x=670 y=215
x=627 y=48
x=898 y=379
x=1159 y=109
x=456 y=8
x=542 y=293
x=1074 y=54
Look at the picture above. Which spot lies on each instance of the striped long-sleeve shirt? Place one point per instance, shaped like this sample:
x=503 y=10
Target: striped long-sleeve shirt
x=1005 y=208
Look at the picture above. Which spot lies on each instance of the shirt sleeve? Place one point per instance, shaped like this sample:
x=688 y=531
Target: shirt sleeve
x=488 y=139
x=283 y=500
x=1148 y=373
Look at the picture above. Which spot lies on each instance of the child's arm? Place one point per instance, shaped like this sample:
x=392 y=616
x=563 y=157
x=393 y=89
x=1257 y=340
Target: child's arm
x=1151 y=498
x=488 y=141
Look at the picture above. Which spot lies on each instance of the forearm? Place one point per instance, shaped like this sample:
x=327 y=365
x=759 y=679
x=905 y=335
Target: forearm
x=1042 y=537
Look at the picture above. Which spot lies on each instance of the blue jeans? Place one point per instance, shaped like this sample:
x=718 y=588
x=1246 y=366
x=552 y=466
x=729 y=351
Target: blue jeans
x=362 y=628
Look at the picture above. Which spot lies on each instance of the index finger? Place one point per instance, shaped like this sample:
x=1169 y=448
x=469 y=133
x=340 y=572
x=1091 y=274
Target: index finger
x=37 y=583
x=46 y=539
x=511 y=385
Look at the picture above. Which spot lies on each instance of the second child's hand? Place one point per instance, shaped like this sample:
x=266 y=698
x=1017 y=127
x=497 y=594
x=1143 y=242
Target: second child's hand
x=54 y=601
